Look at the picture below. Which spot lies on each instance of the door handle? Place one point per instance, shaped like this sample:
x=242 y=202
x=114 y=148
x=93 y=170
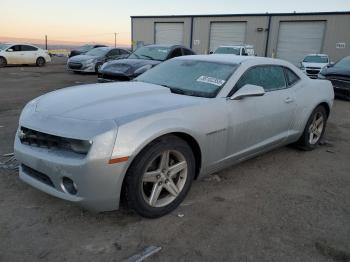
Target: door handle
x=289 y=100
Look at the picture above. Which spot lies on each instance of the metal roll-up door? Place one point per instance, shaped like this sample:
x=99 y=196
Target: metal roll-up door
x=297 y=39
x=169 y=33
x=227 y=33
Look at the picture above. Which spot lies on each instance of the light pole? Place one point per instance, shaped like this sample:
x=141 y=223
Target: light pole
x=115 y=40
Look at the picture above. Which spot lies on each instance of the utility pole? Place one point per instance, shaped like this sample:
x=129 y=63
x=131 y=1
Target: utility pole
x=46 y=42
x=115 y=40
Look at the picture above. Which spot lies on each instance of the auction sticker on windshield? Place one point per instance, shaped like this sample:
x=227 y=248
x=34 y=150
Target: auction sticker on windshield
x=211 y=80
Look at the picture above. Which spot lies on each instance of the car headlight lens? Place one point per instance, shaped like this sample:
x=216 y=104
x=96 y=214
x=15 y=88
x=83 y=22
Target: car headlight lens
x=80 y=146
x=320 y=76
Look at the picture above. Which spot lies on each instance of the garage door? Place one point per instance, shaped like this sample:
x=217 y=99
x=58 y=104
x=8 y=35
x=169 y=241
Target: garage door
x=227 y=33
x=169 y=33
x=297 y=39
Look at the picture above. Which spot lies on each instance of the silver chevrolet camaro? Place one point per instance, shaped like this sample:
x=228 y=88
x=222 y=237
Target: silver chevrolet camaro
x=148 y=139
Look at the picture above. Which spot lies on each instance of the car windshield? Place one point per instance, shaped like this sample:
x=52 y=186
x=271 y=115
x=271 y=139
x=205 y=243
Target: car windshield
x=228 y=50
x=100 y=51
x=151 y=52
x=345 y=62
x=190 y=77
x=316 y=59
x=4 y=46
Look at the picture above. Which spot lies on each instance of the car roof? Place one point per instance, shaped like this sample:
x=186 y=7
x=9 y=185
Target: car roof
x=237 y=46
x=169 y=46
x=231 y=59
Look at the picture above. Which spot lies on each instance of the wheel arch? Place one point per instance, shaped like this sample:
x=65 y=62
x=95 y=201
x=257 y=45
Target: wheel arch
x=326 y=106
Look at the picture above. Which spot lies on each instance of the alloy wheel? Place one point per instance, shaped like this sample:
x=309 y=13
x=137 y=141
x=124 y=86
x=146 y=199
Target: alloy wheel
x=316 y=128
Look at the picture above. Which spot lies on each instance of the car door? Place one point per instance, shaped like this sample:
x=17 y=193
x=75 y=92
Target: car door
x=30 y=54
x=14 y=55
x=260 y=123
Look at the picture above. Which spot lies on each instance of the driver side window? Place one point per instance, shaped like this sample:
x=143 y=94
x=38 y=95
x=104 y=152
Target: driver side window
x=271 y=78
x=176 y=52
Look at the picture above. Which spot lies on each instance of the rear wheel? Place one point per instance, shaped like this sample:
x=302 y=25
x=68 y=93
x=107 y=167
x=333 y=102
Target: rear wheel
x=314 y=129
x=40 y=61
x=160 y=177
x=3 y=62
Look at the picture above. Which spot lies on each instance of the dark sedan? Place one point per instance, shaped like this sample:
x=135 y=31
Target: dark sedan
x=84 y=49
x=339 y=75
x=139 y=62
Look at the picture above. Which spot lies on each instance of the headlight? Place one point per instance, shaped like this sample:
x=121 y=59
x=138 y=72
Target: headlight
x=142 y=69
x=320 y=76
x=80 y=146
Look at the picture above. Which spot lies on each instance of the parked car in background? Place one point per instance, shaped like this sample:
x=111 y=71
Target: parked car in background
x=185 y=118
x=140 y=61
x=84 y=49
x=23 y=54
x=313 y=64
x=93 y=60
x=243 y=50
x=339 y=75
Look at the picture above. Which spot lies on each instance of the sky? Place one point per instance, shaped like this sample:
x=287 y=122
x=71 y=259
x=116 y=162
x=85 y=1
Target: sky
x=68 y=21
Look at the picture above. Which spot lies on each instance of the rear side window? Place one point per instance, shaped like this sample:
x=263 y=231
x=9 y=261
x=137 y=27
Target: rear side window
x=28 y=48
x=269 y=77
x=291 y=77
x=187 y=51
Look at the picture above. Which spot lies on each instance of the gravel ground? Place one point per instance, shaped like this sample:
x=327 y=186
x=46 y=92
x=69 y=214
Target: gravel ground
x=286 y=205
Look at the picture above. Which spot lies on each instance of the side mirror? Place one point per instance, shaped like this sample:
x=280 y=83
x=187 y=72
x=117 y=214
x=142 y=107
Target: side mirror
x=248 y=91
x=9 y=50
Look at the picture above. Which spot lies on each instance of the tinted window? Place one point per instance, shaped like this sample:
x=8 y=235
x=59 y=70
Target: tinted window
x=99 y=51
x=187 y=51
x=269 y=77
x=28 y=48
x=113 y=52
x=291 y=77
x=124 y=52
x=190 y=77
x=176 y=52
x=16 y=48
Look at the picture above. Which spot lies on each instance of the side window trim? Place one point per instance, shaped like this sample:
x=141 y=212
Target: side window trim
x=286 y=78
x=234 y=89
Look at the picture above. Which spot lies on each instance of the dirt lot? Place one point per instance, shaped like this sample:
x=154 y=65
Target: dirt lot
x=286 y=205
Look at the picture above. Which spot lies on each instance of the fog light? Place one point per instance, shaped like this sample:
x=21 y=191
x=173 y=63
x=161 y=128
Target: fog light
x=69 y=186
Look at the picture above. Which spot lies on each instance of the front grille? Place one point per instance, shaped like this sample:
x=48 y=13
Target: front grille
x=37 y=175
x=38 y=139
x=312 y=71
x=74 y=65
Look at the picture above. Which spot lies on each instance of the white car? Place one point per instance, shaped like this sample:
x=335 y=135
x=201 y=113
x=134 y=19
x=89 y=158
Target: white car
x=242 y=50
x=313 y=64
x=22 y=54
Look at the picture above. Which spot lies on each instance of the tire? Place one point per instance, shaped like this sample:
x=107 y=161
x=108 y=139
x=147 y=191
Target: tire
x=152 y=173
x=40 y=61
x=314 y=129
x=97 y=67
x=3 y=61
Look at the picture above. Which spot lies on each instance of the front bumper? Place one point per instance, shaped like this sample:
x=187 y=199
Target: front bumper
x=89 y=68
x=98 y=183
x=107 y=76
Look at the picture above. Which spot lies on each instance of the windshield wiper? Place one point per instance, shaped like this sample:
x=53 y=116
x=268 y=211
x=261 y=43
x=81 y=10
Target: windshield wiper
x=147 y=56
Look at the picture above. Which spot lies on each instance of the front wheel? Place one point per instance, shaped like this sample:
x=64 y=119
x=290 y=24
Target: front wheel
x=314 y=129
x=160 y=177
x=3 y=62
x=40 y=62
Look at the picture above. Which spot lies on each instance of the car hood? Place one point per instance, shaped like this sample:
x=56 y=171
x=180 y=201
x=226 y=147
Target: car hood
x=81 y=58
x=342 y=71
x=318 y=65
x=127 y=66
x=113 y=101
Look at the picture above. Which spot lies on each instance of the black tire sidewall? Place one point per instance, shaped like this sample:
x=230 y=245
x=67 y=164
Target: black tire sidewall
x=304 y=140
x=134 y=176
x=3 y=62
x=38 y=61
